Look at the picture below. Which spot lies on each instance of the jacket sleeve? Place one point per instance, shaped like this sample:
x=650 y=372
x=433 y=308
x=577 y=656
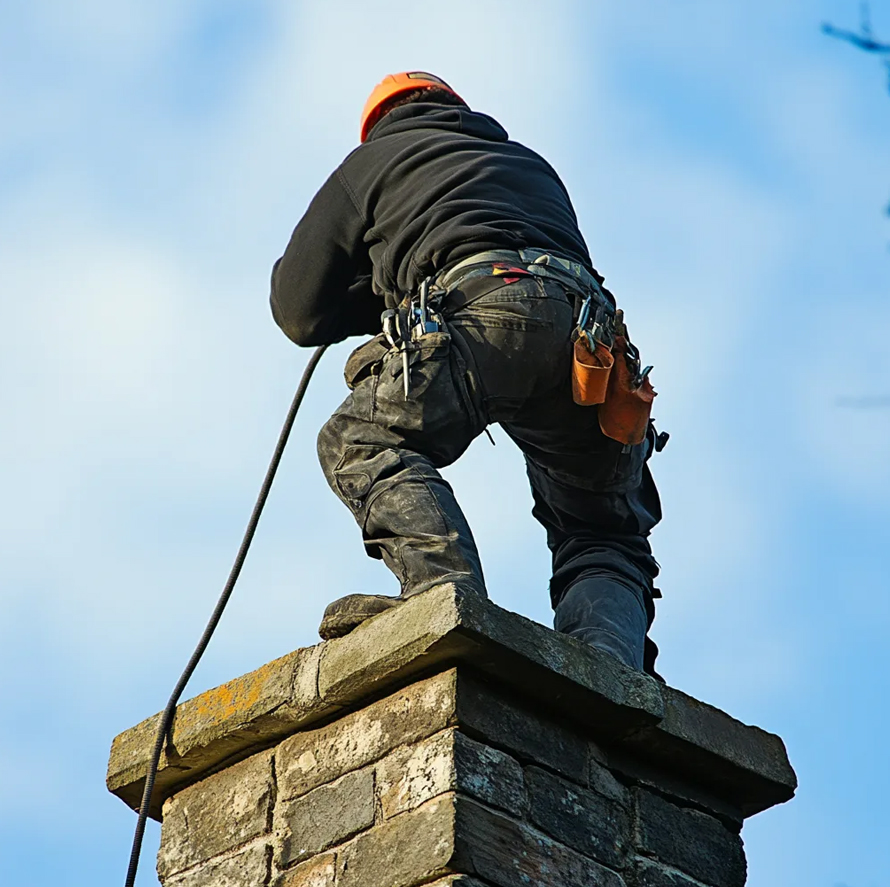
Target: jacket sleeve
x=321 y=286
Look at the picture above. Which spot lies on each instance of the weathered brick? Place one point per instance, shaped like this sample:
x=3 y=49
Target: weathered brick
x=324 y=817
x=317 y=872
x=677 y=786
x=600 y=779
x=414 y=775
x=218 y=814
x=488 y=774
x=689 y=840
x=249 y=868
x=525 y=730
x=315 y=757
x=405 y=851
x=646 y=873
x=585 y=820
x=508 y=853
x=448 y=761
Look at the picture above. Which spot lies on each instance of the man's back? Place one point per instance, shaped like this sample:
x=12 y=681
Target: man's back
x=431 y=186
x=439 y=184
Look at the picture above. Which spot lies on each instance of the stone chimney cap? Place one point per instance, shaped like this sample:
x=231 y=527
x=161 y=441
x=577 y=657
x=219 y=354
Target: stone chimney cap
x=629 y=713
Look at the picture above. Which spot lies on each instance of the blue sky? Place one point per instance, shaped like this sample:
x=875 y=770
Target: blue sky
x=728 y=164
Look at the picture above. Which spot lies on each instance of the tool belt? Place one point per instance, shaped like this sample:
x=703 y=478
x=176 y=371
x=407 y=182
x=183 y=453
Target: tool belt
x=469 y=280
x=494 y=268
x=606 y=369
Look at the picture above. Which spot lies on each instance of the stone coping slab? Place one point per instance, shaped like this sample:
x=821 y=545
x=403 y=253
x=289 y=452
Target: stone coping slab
x=620 y=707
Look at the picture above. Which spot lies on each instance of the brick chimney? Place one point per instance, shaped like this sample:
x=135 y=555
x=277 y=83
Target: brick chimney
x=452 y=743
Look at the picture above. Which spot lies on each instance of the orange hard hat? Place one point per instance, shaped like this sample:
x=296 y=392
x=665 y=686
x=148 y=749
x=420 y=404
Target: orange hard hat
x=393 y=85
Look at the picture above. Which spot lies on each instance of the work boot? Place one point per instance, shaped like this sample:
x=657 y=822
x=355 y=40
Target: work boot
x=347 y=613
x=607 y=614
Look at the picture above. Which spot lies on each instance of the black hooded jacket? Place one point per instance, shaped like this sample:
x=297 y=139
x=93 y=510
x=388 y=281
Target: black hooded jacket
x=431 y=186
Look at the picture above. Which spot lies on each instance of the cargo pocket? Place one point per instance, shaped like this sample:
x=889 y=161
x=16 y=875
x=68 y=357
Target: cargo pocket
x=360 y=467
x=438 y=418
x=365 y=361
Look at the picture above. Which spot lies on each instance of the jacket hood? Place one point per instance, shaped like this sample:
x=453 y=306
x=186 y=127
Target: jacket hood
x=426 y=115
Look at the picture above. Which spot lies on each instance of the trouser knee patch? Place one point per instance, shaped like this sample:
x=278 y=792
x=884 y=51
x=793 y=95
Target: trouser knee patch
x=359 y=468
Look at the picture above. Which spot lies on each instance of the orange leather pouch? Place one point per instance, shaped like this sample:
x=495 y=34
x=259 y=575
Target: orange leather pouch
x=590 y=372
x=624 y=415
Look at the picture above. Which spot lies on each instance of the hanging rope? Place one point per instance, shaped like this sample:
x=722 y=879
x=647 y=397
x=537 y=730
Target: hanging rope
x=170 y=710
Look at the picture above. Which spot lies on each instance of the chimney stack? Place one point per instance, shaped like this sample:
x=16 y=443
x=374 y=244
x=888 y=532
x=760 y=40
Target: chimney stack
x=451 y=743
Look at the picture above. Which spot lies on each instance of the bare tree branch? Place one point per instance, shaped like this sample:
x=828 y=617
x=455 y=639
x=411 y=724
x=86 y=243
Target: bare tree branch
x=864 y=39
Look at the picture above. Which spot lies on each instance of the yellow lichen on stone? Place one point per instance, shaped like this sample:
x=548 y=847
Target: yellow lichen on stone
x=241 y=694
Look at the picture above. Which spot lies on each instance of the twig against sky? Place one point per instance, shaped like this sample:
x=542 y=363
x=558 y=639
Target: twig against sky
x=864 y=39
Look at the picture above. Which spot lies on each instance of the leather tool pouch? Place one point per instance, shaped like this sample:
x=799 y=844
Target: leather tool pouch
x=590 y=372
x=624 y=415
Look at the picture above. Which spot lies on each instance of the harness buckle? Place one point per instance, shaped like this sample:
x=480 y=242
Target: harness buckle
x=600 y=329
x=424 y=317
x=405 y=325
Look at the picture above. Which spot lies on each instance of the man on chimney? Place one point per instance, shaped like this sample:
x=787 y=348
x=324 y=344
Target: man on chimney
x=459 y=251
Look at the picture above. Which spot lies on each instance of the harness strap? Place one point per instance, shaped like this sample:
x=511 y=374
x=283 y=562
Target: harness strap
x=474 y=285
x=495 y=265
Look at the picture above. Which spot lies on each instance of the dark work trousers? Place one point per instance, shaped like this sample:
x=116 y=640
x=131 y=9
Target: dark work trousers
x=505 y=358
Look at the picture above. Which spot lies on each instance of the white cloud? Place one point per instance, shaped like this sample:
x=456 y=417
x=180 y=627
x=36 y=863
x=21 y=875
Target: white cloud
x=126 y=34
x=133 y=329
x=148 y=381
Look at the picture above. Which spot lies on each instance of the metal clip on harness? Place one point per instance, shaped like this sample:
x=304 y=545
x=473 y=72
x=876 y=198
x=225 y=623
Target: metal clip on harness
x=600 y=329
x=405 y=325
x=631 y=353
